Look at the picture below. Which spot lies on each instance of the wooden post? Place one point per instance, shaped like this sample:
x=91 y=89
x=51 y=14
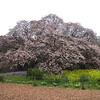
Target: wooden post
x=27 y=73
x=83 y=88
x=34 y=81
x=2 y=78
x=66 y=79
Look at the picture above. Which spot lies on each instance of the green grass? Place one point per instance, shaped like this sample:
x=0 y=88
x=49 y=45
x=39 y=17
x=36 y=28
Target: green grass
x=73 y=79
x=0 y=74
x=20 y=79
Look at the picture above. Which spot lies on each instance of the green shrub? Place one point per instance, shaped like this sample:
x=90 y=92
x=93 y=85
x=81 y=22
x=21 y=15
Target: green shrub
x=85 y=78
x=37 y=73
x=98 y=87
x=1 y=78
x=98 y=81
x=49 y=80
x=93 y=81
x=57 y=78
x=53 y=79
x=29 y=72
x=67 y=80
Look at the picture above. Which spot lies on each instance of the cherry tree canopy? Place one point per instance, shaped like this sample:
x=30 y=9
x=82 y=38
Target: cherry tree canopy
x=49 y=44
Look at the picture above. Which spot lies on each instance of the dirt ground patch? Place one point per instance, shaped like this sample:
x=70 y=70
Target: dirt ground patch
x=28 y=92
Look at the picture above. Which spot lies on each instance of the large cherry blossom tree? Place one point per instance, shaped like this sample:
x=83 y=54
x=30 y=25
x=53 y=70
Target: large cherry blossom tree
x=49 y=44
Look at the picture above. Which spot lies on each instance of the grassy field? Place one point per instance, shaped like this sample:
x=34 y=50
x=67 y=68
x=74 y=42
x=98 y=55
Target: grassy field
x=68 y=79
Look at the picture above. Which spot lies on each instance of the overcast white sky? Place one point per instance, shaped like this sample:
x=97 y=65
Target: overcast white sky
x=86 y=12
